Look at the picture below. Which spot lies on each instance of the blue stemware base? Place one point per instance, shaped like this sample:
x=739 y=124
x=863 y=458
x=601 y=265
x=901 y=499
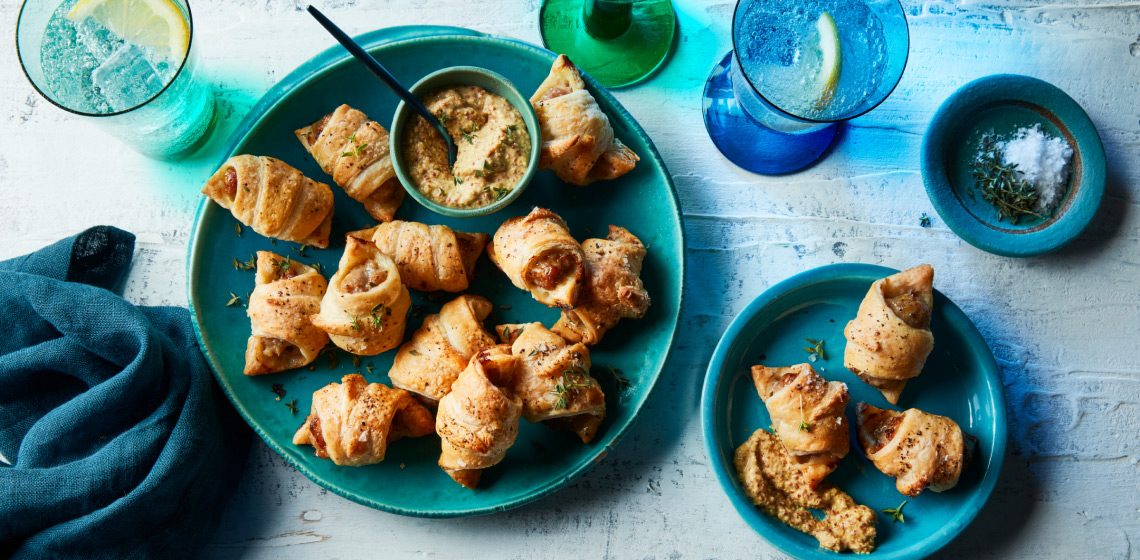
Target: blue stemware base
x=749 y=144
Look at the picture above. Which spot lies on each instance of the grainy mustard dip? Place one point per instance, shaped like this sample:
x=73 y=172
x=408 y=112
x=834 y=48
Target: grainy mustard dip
x=493 y=143
x=778 y=488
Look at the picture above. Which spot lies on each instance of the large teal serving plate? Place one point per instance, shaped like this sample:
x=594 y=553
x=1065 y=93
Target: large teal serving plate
x=961 y=380
x=408 y=481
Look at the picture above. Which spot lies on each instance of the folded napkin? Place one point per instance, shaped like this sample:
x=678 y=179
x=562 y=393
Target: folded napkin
x=120 y=443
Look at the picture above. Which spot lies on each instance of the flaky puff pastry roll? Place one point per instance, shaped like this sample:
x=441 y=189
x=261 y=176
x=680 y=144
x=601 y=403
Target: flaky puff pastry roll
x=353 y=422
x=889 y=339
x=354 y=150
x=479 y=419
x=920 y=450
x=554 y=380
x=807 y=415
x=540 y=256
x=365 y=308
x=429 y=258
x=285 y=294
x=578 y=142
x=274 y=199
x=612 y=289
x=441 y=348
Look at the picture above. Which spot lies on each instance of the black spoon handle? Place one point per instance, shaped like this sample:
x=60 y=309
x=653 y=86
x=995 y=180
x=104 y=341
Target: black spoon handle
x=380 y=72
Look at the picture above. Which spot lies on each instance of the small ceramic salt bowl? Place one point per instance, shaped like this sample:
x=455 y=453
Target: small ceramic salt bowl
x=1000 y=106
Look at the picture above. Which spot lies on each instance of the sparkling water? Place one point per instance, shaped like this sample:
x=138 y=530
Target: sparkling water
x=89 y=69
x=778 y=46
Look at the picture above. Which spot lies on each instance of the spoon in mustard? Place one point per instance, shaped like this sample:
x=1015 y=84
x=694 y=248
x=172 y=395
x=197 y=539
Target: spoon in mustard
x=385 y=76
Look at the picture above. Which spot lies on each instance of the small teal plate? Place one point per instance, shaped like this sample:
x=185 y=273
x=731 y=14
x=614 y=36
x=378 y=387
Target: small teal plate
x=409 y=481
x=1002 y=104
x=961 y=381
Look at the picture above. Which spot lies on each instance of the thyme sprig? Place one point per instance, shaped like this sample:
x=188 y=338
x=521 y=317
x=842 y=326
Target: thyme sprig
x=355 y=149
x=234 y=300
x=622 y=380
x=896 y=513
x=816 y=349
x=572 y=380
x=292 y=405
x=1001 y=185
x=804 y=425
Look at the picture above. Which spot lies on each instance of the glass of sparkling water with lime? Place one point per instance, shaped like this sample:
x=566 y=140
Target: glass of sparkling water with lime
x=797 y=68
x=127 y=64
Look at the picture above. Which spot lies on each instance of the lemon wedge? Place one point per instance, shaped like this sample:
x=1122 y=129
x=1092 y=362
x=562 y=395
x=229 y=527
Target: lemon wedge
x=832 y=58
x=157 y=24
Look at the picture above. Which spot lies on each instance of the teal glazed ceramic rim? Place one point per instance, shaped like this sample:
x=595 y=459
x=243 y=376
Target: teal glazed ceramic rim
x=945 y=135
x=465 y=76
x=331 y=60
x=716 y=411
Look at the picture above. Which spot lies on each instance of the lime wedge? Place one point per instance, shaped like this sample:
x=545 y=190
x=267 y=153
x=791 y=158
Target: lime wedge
x=157 y=24
x=832 y=59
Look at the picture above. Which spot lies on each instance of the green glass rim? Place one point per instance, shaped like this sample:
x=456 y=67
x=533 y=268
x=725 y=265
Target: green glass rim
x=43 y=94
x=788 y=114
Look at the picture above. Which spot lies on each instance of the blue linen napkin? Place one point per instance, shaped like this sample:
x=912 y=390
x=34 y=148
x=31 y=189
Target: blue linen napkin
x=120 y=443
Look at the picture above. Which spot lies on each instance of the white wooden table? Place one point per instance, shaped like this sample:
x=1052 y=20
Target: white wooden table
x=1063 y=327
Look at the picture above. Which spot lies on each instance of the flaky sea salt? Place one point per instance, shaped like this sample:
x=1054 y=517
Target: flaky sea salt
x=1043 y=161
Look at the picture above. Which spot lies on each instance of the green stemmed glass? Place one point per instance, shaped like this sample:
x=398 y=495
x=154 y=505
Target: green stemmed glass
x=618 y=42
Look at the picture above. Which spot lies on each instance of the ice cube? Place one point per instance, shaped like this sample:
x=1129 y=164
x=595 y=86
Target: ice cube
x=126 y=78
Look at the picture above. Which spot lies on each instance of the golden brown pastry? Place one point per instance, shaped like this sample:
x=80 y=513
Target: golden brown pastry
x=889 y=339
x=354 y=150
x=430 y=258
x=274 y=199
x=442 y=347
x=612 y=290
x=365 y=307
x=919 y=449
x=286 y=293
x=353 y=422
x=540 y=256
x=774 y=483
x=479 y=419
x=554 y=380
x=578 y=142
x=807 y=415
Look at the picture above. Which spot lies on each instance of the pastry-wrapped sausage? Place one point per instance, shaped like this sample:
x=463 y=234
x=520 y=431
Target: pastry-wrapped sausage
x=554 y=380
x=442 y=347
x=578 y=142
x=612 y=289
x=430 y=258
x=354 y=150
x=285 y=295
x=365 y=308
x=540 y=256
x=807 y=415
x=274 y=199
x=889 y=340
x=353 y=422
x=479 y=419
x=921 y=450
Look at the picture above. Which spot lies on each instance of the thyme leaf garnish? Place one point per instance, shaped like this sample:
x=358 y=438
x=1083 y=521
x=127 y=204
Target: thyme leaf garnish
x=816 y=349
x=234 y=300
x=1001 y=185
x=572 y=380
x=896 y=513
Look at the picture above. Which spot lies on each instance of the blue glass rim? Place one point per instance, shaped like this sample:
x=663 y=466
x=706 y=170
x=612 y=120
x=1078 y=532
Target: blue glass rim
x=785 y=113
x=43 y=94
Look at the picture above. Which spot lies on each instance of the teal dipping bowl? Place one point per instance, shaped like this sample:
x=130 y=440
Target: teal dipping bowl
x=1001 y=104
x=464 y=76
